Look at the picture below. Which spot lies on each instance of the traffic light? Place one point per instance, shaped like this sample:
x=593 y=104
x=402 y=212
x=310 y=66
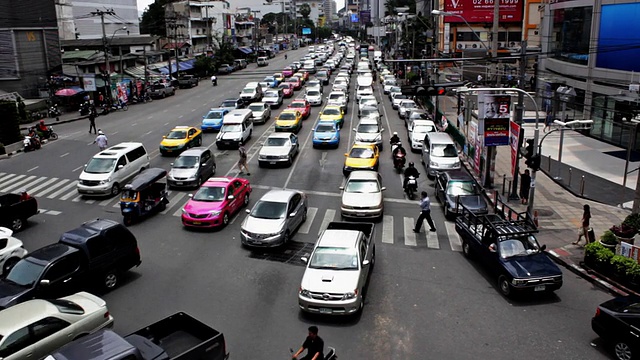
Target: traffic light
x=528 y=153
x=535 y=162
x=423 y=90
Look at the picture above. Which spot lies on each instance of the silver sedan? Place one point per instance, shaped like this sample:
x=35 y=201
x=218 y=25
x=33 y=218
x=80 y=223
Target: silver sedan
x=278 y=148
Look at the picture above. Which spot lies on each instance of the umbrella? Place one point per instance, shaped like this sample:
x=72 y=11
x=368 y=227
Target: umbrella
x=69 y=91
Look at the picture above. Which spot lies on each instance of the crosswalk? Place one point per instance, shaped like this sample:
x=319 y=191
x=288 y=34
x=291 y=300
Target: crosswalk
x=317 y=219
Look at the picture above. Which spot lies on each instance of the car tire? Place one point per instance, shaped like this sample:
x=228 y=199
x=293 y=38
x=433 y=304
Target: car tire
x=466 y=249
x=225 y=219
x=447 y=213
x=289 y=161
x=198 y=182
x=623 y=351
x=17 y=224
x=115 y=189
x=286 y=238
x=245 y=201
x=164 y=95
x=110 y=280
x=505 y=287
x=8 y=265
x=199 y=141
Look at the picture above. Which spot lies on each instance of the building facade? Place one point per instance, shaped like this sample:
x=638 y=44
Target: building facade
x=199 y=23
x=316 y=6
x=90 y=27
x=592 y=47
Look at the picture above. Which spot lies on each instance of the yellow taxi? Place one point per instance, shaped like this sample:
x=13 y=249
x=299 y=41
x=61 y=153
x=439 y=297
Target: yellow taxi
x=304 y=76
x=361 y=157
x=179 y=139
x=333 y=113
x=279 y=77
x=289 y=120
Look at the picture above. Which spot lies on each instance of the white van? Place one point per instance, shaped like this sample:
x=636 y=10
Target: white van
x=109 y=170
x=377 y=55
x=237 y=128
x=439 y=153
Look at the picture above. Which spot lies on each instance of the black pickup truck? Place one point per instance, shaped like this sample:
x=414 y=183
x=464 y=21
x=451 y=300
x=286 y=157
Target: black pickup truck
x=95 y=254
x=14 y=213
x=177 y=337
x=504 y=241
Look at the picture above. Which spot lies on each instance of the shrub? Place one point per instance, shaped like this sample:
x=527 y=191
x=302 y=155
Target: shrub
x=633 y=272
x=622 y=263
x=624 y=231
x=591 y=249
x=604 y=255
x=609 y=238
x=632 y=220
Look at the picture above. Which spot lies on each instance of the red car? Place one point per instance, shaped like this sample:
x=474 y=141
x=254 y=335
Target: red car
x=287 y=89
x=287 y=72
x=215 y=202
x=297 y=83
x=305 y=74
x=301 y=105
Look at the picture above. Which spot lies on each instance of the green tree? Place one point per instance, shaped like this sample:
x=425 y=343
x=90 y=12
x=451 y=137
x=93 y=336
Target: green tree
x=324 y=32
x=204 y=66
x=305 y=10
x=152 y=21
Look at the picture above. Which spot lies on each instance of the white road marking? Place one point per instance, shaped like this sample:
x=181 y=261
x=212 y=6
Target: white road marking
x=180 y=117
x=387 y=229
x=34 y=190
x=311 y=214
x=452 y=234
x=18 y=183
x=409 y=235
x=148 y=132
x=9 y=178
x=165 y=124
x=90 y=201
x=65 y=188
x=54 y=212
x=33 y=168
x=134 y=124
x=175 y=200
x=328 y=217
x=165 y=110
x=63 y=155
x=70 y=194
x=432 y=239
x=149 y=117
x=192 y=110
x=78 y=168
x=106 y=202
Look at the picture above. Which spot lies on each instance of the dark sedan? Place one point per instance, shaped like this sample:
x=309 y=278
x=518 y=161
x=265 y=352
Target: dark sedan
x=617 y=322
x=457 y=186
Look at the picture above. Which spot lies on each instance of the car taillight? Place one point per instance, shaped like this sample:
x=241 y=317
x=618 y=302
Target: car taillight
x=106 y=315
x=597 y=312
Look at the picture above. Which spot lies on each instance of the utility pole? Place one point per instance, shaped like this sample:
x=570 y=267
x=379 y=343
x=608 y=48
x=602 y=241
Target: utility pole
x=494 y=40
x=519 y=119
x=105 y=45
x=172 y=23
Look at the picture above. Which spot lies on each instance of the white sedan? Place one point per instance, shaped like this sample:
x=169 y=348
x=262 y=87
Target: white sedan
x=405 y=106
x=362 y=195
x=365 y=101
x=313 y=96
x=278 y=148
x=260 y=112
x=35 y=328
x=11 y=250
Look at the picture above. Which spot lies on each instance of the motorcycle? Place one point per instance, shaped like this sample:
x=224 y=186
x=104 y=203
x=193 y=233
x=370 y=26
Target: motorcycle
x=54 y=111
x=120 y=105
x=214 y=80
x=31 y=143
x=49 y=134
x=399 y=159
x=412 y=187
x=105 y=109
x=331 y=354
x=85 y=108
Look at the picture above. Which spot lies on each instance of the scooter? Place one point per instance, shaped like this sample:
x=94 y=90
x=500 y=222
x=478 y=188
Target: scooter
x=54 y=111
x=49 y=134
x=331 y=354
x=31 y=143
x=120 y=105
x=399 y=159
x=412 y=187
x=84 y=108
x=214 y=80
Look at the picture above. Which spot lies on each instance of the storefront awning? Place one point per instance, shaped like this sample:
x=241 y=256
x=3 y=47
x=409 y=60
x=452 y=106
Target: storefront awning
x=246 y=50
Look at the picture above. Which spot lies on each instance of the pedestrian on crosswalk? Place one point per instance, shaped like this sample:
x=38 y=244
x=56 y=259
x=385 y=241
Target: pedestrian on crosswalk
x=101 y=140
x=242 y=161
x=425 y=213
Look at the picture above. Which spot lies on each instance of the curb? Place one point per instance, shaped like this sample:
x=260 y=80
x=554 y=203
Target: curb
x=59 y=122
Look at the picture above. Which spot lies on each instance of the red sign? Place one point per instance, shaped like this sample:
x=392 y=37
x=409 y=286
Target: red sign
x=475 y=11
x=513 y=141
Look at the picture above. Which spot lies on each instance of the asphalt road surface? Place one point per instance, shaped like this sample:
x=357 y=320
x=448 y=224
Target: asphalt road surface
x=425 y=300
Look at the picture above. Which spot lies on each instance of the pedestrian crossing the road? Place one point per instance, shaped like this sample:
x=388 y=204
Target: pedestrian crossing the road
x=317 y=219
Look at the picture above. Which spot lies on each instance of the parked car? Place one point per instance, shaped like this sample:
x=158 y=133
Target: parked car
x=96 y=254
x=225 y=69
x=35 y=328
x=188 y=81
x=274 y=218
x=11 y=250
x=279 y=148
x=457 y=187
x=215 y=202
x=161 y=90
x=616 y=322
x=15 y=212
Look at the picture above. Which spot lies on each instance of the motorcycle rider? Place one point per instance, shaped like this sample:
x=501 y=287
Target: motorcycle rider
x=395 y=138
x=42 y=129
x=410 y=171
x=314 y=345
x=214 y=80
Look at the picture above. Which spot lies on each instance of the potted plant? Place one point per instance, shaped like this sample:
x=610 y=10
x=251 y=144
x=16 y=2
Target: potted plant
x=632 y=220
x=633 y=274
x=624 y=232
x=609 y=239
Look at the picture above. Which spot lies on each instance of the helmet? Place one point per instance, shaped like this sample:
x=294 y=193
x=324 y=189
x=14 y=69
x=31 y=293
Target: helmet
x=100 y=132
x=411 y=164
x=395 y=133
x=42 y=121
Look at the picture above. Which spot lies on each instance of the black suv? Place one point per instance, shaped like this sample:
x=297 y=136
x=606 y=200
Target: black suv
x=96 y=253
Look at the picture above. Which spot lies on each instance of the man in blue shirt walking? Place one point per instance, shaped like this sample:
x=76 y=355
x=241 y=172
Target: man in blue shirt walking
x=425 y=213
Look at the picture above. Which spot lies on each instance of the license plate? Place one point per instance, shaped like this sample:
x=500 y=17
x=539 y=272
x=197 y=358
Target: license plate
x=178 y=182
x=169 y=150
x=325 y=311
x=539 y=288
x=257 y=242
x=227 y=143
x=360 y=214
x=272 y=162
x=196 y=222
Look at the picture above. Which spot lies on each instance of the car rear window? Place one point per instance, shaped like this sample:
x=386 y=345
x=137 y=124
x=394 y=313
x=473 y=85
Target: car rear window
x=67 y=307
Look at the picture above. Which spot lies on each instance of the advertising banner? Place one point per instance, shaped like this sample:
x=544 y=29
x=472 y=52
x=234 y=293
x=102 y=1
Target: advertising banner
x=89 y=82
x=306 y=31
x=475 y=11
x=513 y=141
x=354 y=18
x=495 y=112
x=496 y=132
x=365 y=16
x=478 y=154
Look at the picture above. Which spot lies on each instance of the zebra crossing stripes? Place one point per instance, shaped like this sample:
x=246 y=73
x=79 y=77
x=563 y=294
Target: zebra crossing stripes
x=49 y=189
x=311 y=214
x=387 y=229
x=62 y=190
x=328 y=217
x=454 y=238
x=34 y=190
x=409 y=235
x=175 y=200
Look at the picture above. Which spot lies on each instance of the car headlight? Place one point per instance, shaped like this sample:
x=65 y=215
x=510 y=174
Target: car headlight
x=519 y=282
x=238 y=139
x=334 y=137
x=214 y=212
x=183 y=211
x=305 y=293
x=379 y=137
x=433 y=163
x=350 y=295
x=102 y=182
x=284 y=156
x=457 y=163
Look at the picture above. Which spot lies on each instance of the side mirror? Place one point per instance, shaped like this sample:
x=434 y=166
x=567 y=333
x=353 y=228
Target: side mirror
x=543 y=247
x=171 y=164
x=190 y=195
x=120 y=167
x=164 y=136
x=231 y=197
x=341 y=187
x=304 y=259
x=365 y=262
x=381 y=130
x=45 y=282
x=383 y=188
x=248 y=211
x=354 y=129
x=346 y=154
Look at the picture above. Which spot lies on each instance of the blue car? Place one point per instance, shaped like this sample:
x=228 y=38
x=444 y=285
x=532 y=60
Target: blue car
x=273 y=82
x=326 y=134
x=213 y=120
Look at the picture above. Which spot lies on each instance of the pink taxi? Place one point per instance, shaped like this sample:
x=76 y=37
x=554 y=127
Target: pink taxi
x=215 y=202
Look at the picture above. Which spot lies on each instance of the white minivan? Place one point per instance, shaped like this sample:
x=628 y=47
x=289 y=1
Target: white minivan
x=439 y=153
x=109 y=170
x=237 y=128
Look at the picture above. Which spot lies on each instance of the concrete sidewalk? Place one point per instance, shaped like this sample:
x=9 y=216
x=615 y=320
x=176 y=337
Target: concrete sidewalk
x=559 y=210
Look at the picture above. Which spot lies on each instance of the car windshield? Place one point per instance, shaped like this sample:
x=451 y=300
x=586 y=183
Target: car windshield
x=283 y=87
x=100 y=166
x=363 y=88
x=389 y=82
x=269 y=210
x=297 y=104
x=214 y=115
x=361 y=153
x=370 y=113
x=287 y=116
x=276 y=142
x=248 y=91
x=158 y=87
x=25 y=273
x=186 y=162
x=294 y=79
x=229 y=103
x=368 y=128
x=271 y=94
x=442 y=150
x=423 y=129
x=362 y=186
x=269 y=79
x=313 y=83
x=177 y=134
x=408 y=104
x=400 y=97
x=210 y=194
x=322 y=74
x=231 y=128
x=337 y=258
x=331 y=112
x=518 y=247
x=325 y=128
x=395 y=89
x=456 y=188
x=336 y=96
x=313 y=93
x=365 y=102
x=257 y=107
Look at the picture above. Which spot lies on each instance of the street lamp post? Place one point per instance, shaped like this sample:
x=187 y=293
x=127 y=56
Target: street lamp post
x=536 y=135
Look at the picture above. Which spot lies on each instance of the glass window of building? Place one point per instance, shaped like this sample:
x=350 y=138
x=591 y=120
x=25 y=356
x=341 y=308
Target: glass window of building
x=571 y=34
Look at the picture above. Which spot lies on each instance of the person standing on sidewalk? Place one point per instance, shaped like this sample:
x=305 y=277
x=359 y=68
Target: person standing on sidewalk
x=547 y=122
x=584 y=229
x=242 y=161
x=525 y=186
x=92 y=119
x=425 y=213
x=101 y=140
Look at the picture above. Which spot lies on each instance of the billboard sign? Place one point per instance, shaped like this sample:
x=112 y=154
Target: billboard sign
x=496 y=114
x=306 y=31
x=355 y=18
x=475 y=11
x=365 y=16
